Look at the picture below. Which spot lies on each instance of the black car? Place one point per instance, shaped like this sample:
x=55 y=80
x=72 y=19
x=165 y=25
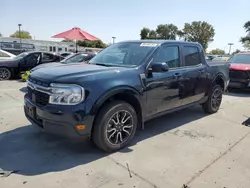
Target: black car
x=65 y=54
x=122 y=87
x=80 y=57
x=24 y=62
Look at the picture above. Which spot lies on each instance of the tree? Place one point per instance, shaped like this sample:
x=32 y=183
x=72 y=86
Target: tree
x=1 y=35
x=167 y=31
x=23 y=35
x=198 y=31
x=246 y=45
x=236 y=51
x=163 y=31
x=152 y=35
x=245 y=40
x=217 y=51
x=247 y=26
x=145 y=33
x=92 y=44
x=67 y=40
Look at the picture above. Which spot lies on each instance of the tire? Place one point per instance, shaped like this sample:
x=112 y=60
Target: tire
x=213 y=102
x=5 y=73
x=106 y=124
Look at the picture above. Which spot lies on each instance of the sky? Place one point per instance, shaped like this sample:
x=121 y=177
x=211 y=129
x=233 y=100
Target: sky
x=124 y=19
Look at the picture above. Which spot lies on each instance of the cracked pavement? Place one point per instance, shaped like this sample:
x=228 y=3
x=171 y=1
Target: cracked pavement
x=185 y=148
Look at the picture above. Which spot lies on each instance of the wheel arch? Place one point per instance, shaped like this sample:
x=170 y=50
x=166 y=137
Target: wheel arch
x=123 y=93
x=220 y=80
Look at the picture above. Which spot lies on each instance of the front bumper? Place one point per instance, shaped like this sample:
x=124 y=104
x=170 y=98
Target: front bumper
x=239 y=79
x=59 y=120
x=239 y=83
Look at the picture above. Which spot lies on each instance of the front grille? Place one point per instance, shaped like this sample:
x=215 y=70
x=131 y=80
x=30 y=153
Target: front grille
x=238 y=74
x=38 y=97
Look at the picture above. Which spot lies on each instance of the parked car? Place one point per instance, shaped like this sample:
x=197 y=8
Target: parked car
x=122 y=87
x=25 y=61
x=4 y=55
x=210 y=57
x=221 y=58
x=65 y=54
x=239 y=71
x=80 y=57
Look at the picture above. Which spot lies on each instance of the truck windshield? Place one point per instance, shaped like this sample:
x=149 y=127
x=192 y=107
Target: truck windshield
x=240 y=58
x=127 y=54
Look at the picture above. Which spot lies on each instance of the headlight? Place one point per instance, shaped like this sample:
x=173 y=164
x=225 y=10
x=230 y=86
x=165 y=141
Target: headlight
x=64 y=94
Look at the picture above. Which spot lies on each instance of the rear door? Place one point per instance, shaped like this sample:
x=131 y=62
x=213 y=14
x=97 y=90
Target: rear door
x=195 y=77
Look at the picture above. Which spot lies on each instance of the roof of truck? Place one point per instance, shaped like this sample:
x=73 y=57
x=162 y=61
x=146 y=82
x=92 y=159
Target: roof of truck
x=162 y=41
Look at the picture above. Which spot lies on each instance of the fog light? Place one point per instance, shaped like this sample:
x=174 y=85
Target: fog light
x=80 y=127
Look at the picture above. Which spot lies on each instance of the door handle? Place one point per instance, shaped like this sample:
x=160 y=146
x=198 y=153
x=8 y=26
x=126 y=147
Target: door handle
x=177 y=75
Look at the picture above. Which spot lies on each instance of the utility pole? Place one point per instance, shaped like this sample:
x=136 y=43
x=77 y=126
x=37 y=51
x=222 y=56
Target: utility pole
x=230 y=45
x=19 y=26
x=113 y=39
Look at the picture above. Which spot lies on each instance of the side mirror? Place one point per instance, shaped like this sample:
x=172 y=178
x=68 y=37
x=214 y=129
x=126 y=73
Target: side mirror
x=159 y=67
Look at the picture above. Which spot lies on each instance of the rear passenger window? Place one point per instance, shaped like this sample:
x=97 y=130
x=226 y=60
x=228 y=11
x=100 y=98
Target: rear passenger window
x=47 y=57
x=168 y=54
x=191 y=54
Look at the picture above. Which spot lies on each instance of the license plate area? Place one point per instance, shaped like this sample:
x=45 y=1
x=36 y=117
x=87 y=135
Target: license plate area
x=30 y=110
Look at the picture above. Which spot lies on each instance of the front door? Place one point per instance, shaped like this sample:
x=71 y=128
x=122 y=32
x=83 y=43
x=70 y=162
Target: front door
x=30 y=61
x=194 y=78
x=163 y=88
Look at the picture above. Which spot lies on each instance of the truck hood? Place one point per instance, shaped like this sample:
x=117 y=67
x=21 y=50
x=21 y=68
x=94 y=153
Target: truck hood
x=238 y=66
x=72 y=73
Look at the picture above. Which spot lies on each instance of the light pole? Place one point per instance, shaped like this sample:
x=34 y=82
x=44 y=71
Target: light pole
x=230 y=45
x=19 y=26
x=113 y=39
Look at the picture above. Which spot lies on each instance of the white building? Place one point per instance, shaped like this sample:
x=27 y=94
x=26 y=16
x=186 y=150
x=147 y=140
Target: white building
x=12 y=44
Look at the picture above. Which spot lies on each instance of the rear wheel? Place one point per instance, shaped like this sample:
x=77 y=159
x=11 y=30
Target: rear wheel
x=115 y=126
x=213 y=102
x=5 y=74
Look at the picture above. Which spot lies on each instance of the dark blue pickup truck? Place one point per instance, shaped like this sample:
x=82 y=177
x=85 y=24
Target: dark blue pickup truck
x=126 y=84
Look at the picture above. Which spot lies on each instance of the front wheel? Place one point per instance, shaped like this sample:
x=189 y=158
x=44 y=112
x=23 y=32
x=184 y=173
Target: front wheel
x=115 y=126
x=213 y=102
x=5 y=74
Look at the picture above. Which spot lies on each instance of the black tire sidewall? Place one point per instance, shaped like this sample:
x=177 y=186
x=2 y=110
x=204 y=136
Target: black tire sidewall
x=210 y=98
x=102 y=122
x=9 y=73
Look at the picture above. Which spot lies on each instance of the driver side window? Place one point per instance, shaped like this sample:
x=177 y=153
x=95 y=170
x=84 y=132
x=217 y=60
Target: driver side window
x=33 y=59
x=168 y=54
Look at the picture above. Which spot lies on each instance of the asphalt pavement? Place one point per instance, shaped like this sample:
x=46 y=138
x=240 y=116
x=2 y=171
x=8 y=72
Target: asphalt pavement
x=182 y=149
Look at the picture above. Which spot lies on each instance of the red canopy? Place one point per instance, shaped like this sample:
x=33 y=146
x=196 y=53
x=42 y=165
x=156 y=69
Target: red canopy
x=76 y=34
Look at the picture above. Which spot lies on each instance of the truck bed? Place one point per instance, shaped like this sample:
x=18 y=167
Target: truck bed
x=215 y=67
x=216 y=63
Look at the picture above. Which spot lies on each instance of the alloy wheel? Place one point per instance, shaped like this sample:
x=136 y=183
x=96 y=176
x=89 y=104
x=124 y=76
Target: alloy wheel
x=216 y=98
x=4 y=74
x=120 y=127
